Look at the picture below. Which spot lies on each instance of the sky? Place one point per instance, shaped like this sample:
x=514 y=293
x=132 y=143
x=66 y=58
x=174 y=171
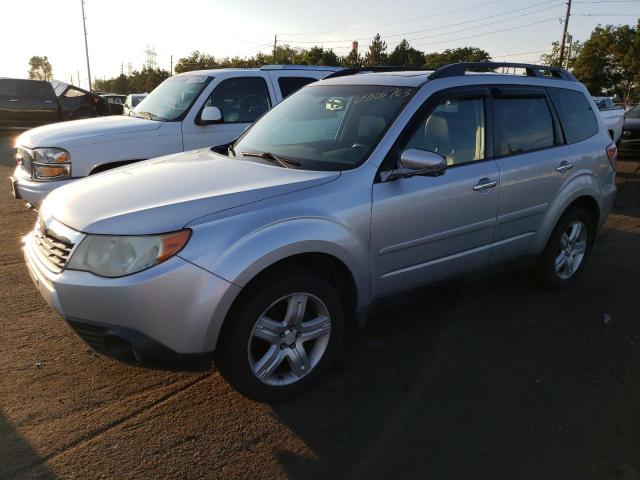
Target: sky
x=120 y=31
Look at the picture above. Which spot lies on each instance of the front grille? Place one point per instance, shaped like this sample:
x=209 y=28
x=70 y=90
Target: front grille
x=54 y=250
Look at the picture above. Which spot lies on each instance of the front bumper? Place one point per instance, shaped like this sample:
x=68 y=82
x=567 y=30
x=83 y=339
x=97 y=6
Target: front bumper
x=172 y=309
x=30 y=191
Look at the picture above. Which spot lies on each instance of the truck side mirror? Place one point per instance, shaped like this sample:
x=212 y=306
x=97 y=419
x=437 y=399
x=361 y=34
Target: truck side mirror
x=210 y=115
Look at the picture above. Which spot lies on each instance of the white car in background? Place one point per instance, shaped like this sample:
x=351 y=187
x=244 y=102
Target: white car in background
x=185 y=112
x=132 y=101
x=613 y=116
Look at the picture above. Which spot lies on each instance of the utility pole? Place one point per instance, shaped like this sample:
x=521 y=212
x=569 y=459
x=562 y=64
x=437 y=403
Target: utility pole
x=171 y=68
x=570 y=40
x=564 y=31
x=86 y=44
x=275 y=42
x=78 y=73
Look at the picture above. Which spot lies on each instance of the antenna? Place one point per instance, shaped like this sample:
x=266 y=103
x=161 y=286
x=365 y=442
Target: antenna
x=86 y=44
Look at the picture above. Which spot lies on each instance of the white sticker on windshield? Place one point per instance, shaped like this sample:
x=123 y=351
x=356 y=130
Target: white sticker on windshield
x=196 y=79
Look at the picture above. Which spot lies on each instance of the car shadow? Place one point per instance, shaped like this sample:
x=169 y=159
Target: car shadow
x=17 y=456
x=496 y=378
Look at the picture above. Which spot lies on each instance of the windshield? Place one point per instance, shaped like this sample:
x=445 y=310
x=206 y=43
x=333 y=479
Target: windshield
x=326 y=127
x=634 y=112
x=171 y=98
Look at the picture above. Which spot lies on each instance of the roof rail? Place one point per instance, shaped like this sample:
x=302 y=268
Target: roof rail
x=458 y=69
x=301 y=67
x=355 y=70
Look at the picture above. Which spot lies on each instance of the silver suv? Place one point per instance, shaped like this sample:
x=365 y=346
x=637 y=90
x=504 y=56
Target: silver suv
x=354 y=189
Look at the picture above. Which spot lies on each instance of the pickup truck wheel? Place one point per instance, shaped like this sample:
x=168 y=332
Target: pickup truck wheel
x=283 y=335
x=567 y=251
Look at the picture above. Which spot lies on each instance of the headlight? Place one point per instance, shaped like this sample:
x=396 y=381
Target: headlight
x=117 y=256
x=51 y=164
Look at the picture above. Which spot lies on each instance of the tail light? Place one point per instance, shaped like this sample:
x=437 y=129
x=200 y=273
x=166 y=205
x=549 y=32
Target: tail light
x=612 y=154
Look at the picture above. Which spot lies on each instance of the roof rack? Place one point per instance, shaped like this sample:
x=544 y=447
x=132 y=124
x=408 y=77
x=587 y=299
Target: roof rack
x=300 y=67
x=458 y=69
x=355 y=70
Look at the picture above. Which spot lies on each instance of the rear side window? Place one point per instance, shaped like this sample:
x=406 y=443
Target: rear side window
x=289 y=85
x=575 y=112
x=522 y=125
x=8 y=88
x=38 y=90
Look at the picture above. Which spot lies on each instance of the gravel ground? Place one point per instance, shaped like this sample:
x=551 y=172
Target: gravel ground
x=492 y=379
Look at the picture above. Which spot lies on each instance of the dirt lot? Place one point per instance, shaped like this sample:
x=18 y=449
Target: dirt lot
x=493 y=379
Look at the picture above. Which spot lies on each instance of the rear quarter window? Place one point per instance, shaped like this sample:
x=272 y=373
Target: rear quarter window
x=576 y=115
x=289 y=85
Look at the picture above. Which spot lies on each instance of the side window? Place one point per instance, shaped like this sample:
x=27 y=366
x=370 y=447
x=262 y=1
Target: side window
x=521 y=125
x=289 y=85
x=241 y=100
x=73 y=92
x=38 y=91
x=8 y=88
x=575 y=112
x=454 y=129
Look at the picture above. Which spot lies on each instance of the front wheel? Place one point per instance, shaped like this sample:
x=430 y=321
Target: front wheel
x=567 y=251
x=283 y=334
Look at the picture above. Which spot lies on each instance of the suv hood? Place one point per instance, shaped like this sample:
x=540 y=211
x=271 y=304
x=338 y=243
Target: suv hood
x=163 y=195
x=63 y=133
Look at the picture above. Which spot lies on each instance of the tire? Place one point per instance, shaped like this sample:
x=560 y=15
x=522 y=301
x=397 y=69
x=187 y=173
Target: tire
x=558 y=266
x=291 y=348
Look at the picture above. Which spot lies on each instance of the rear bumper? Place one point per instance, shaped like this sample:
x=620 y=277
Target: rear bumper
x=169 y=312
x=33 y=192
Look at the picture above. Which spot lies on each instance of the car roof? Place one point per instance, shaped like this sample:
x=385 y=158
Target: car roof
x=305 y=68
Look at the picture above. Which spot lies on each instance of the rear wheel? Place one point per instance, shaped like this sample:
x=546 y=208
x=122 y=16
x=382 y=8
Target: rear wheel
x=567 y=251
x=283 y=334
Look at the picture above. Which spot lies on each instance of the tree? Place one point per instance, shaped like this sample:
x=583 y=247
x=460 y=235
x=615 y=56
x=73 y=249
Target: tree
x=553 y=57
x=195 y=61
x=455 y=55
x=377 y=54
x=406 y=56
x=141 y=81
x=352 y=60
x=40 y=68
x=319 y=56
x=609 y=62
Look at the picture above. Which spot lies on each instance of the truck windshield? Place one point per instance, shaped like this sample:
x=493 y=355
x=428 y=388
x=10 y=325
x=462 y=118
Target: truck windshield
x=325 y=127
x=173 y=97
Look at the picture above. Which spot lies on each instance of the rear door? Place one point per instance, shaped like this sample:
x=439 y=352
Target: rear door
x=241 y=100
x=534 y=163
x=11 y=104
x=40 y=103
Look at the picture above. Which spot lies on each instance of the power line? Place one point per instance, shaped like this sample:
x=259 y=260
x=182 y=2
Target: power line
x=484 y=4
x=406 y=34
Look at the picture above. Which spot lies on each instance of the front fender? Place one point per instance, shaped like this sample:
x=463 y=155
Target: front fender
x=240 y=260
x=582 y=184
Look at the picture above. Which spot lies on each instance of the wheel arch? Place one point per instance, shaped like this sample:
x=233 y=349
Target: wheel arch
x=582 y=191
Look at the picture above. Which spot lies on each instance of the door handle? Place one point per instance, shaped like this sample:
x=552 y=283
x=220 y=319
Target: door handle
x=564 y=166
x=14 y=100
x=484 y=183
x=48 y=101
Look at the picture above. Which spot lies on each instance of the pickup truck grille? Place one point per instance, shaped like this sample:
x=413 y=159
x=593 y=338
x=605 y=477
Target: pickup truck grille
x=25 y=159
x=52 y=249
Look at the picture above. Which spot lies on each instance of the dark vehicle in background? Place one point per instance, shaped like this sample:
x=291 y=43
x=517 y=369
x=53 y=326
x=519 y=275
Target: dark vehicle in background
x=115 y=101
x=26 y=104
x=630 y=142
x=132 y=100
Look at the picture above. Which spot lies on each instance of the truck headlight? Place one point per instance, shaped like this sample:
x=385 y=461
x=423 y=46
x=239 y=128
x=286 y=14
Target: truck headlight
x=51 y=164
x=117 y=256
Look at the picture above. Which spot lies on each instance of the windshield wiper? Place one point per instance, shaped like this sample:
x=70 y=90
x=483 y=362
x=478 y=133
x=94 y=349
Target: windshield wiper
x=149 y=116
x=283 y=162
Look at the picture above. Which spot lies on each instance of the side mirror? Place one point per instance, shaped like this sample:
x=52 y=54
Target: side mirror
x=414 y=161
x=210 y=115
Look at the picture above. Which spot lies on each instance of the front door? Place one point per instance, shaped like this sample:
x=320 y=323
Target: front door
x=425 y=229
x=240 y=100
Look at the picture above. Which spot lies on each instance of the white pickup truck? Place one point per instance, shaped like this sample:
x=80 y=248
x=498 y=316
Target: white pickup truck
x=185 y=112
x=612 y=115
